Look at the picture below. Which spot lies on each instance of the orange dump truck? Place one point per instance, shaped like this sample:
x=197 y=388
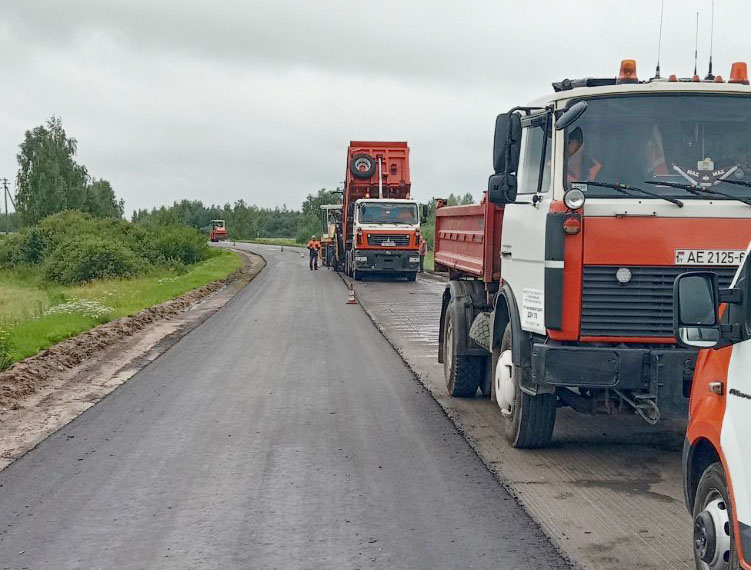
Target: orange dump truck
x=561 y=292
x=379 y=230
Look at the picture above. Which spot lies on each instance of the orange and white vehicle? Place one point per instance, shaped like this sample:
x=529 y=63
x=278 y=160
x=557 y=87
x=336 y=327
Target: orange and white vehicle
x=379 y=232
x=716 y=453
x=561 y=280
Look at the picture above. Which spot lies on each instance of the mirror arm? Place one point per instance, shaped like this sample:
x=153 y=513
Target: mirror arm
x=734 y=296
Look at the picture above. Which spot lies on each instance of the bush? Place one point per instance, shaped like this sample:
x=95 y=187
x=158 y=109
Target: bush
x=10 y=250
x=74 y=247
x=172 y=244
x=90 y=257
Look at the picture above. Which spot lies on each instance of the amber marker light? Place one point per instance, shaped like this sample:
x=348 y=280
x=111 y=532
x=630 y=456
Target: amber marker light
x=739 y=73
x=628 y=72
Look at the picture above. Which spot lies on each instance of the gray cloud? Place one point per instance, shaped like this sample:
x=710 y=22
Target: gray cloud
x=257 y=100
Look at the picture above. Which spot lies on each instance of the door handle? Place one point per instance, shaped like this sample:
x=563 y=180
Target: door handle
x=716 y=387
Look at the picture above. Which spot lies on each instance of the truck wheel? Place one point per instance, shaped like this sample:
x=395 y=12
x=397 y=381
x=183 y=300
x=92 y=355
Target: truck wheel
x=461 y=372
x=411 y=276
x=714 y=543
x=362 y=165
x=529 y=419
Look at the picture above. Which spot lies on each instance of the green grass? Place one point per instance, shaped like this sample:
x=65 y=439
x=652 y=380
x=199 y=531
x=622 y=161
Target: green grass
x=429 y=261
x=271 y=241
x=37 y=314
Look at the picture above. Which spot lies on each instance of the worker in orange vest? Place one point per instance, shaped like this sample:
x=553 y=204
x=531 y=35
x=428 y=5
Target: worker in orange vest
x=581 y=167
x=313 y=247
x=422 y=250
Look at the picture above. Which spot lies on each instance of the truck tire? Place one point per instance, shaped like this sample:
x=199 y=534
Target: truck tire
x=362 y=165
x=529 y=419
x=411 y=276
x=461 y=372
x=714 y=540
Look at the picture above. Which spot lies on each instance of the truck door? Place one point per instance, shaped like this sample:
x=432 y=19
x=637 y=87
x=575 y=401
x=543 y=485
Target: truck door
x=736 y=427
x=523 y=238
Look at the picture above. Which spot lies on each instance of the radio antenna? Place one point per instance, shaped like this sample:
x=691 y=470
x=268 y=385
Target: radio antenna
x=659 y=41
x=710 y=76
x=696 y=44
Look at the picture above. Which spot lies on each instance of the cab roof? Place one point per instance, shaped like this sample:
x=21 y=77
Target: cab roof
x=650 y=87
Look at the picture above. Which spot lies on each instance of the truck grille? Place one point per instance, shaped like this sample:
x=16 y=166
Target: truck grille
x=397 y=239
x=643 y=307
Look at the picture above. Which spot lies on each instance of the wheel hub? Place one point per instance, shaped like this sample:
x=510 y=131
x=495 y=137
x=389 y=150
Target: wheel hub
x=504 y=382
x=712 y=534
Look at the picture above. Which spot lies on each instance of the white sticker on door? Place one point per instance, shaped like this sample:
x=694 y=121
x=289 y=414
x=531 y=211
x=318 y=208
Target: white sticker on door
x=533 y=301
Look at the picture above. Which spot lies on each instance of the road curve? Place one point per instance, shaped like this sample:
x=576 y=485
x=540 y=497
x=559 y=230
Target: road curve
x=284 y=432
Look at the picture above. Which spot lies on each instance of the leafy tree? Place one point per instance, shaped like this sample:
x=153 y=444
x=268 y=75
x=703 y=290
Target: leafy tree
x=49 y=180
x=100 y=201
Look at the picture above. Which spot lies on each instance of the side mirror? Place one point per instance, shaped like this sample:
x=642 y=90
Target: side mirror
x=571 y=115
x=507 y=142
x=502 y=188
x=425 y=212
x=696 y=320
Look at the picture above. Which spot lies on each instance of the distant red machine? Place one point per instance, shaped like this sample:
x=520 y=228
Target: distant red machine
x=218 y=231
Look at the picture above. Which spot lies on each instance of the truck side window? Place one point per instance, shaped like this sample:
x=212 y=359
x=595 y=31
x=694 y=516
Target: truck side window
x=529 y=166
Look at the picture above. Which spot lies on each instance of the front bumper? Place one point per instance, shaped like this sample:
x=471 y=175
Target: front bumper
x=664 y=373
x=386 y=260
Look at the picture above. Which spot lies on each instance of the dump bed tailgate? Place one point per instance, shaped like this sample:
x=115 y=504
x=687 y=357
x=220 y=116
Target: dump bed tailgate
x=468 y=239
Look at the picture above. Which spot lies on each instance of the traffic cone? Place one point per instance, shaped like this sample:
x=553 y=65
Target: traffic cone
x=351 y=295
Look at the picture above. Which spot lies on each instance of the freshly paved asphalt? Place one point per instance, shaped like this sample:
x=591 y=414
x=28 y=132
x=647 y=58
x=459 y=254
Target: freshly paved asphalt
x=284 y=432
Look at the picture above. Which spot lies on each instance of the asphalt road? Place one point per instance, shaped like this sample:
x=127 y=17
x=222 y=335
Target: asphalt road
x=608 y=491
x=284 y=432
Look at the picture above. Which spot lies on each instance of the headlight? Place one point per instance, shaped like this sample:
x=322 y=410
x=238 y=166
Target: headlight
x=360 y=258
x=574 y=198
x=414 y=260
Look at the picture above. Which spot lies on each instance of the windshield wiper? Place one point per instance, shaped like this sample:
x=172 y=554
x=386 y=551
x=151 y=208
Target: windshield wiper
x=624 y=188
x=701 y=191
x=736 y=182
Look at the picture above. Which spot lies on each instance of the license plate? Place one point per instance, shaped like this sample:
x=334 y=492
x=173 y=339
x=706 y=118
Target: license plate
x=388 y=243
x=709 y=256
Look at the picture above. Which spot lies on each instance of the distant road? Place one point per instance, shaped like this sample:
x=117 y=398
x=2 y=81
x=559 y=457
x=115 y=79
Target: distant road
x=284 y=432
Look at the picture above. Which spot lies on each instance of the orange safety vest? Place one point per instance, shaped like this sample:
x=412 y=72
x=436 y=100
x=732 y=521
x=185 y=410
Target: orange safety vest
x=575 y=169
x=313 y=244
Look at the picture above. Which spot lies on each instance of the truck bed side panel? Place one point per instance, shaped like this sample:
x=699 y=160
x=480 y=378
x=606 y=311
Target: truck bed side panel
x=468 y=238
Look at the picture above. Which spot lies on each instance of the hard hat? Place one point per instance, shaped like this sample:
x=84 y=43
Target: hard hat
x=312 y=237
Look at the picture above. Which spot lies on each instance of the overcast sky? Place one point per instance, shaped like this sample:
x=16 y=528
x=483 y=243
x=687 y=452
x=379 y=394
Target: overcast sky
x=255 y=99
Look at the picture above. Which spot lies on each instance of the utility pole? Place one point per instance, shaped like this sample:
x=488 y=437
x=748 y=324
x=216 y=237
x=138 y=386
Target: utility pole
x=6 y=195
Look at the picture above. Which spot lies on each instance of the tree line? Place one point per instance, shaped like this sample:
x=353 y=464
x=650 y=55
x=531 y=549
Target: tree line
x=248 y=222
x=50 y=180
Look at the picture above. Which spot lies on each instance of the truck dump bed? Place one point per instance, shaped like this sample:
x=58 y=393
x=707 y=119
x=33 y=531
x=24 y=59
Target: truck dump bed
x=468 y=240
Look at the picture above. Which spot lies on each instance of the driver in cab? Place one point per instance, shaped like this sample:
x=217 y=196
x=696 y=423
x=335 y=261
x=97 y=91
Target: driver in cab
x=581 y=166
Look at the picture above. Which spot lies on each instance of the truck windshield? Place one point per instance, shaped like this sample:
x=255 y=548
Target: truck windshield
x=694 y=139
x=387 y=213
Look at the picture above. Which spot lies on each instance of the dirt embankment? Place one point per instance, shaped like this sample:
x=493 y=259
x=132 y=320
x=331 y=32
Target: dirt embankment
x=27 y=376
